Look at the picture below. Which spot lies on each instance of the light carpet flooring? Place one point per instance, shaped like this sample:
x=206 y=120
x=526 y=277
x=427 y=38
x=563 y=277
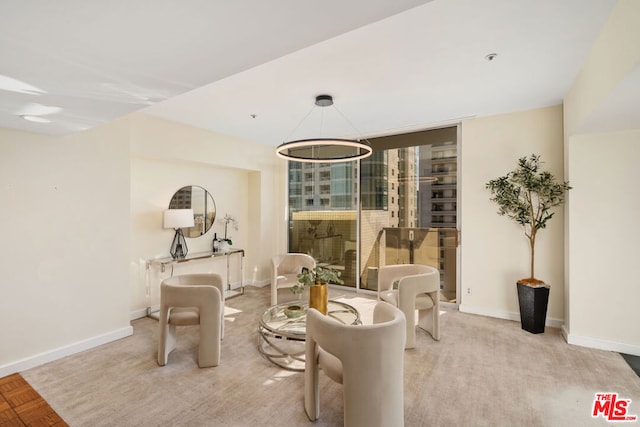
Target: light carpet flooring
x=483 y=372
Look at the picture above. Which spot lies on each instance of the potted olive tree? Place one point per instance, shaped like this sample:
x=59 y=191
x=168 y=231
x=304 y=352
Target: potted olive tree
x=527 y=195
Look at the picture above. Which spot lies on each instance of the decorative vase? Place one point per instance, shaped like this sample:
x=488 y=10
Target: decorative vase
x=533 y=302
x=293 y=311
x=318 y=297
x=224 y=246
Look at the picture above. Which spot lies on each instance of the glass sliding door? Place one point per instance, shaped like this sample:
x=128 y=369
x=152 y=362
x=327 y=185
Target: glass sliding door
x=323 y=201
x=409 y=206
x=397 y=206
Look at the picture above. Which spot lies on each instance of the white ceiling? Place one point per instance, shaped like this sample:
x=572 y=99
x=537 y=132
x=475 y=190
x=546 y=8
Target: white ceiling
x=390 y=65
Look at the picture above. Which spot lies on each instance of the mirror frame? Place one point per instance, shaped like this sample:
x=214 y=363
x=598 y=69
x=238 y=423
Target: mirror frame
x=203 y=205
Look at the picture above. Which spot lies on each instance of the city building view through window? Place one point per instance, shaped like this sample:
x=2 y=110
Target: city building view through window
x=398 y=206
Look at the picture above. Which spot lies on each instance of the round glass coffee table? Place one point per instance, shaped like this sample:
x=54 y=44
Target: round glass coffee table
x=281 y=338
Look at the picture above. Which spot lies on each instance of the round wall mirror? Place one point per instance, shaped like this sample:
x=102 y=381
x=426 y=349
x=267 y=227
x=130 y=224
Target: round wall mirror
x=204 y=208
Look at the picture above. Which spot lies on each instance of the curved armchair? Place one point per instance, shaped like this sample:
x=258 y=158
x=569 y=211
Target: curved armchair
x=192 y=299
x=284 y=271
x=368 y=360
x=418 y=289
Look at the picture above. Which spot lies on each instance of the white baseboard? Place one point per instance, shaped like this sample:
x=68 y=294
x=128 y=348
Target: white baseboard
x=236 y=285
x=59 y=353
x=260 y=283
x=573 y=339
x=507 y=315
x=600 y=344
x=138 y=314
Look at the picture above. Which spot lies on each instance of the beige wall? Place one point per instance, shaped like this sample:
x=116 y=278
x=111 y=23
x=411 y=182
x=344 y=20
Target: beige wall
x=614 y=56
x=83 y=213
x=603 y=236
x=153 y=183
x=242 y=178
x=494 y=251
x=602 y=291
x=65 y=228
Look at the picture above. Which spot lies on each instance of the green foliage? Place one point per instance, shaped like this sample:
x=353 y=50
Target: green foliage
x=527 y=195
x=316 y=275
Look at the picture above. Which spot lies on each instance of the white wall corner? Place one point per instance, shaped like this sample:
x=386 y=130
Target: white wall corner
x=59 y=353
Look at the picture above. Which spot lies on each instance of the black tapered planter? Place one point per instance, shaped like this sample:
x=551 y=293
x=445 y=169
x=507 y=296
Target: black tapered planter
x=533 y=307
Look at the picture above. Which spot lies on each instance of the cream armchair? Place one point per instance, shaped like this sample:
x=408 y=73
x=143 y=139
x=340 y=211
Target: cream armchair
x=285 y=269
x=418 y=289
x=192 y=299
x=366 y=359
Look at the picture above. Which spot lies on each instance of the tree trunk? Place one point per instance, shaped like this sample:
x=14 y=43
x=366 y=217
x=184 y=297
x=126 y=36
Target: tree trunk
x=532 y=243
x=531 y=281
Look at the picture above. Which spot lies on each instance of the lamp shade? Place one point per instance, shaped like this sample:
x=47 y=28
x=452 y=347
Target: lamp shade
x=178 y=218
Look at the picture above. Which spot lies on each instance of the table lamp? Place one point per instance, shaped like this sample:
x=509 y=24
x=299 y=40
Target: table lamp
x=178 y=219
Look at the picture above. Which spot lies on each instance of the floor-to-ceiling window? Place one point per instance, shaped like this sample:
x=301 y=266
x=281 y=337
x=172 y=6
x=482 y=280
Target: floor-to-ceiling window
x=404 y=198
x=409 y=205
x=323 y=202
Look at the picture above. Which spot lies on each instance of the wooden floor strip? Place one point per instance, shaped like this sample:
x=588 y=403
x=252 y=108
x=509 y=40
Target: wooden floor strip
x=21 y=405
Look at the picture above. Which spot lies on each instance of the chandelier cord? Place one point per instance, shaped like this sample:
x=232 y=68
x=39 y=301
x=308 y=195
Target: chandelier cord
x=357 y=132
x=321 y=121
x=322 y=149
x=300 y=123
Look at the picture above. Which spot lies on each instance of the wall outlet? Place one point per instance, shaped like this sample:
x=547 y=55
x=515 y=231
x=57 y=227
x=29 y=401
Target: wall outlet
x=468 y=291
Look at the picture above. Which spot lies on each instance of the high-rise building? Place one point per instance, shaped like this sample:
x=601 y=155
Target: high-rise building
x=438 y=189
x=407 y=206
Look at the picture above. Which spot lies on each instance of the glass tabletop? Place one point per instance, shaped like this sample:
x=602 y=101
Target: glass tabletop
x=275 y=320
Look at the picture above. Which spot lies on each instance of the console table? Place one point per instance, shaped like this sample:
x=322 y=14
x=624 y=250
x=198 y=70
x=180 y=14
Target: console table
x=160 y=265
